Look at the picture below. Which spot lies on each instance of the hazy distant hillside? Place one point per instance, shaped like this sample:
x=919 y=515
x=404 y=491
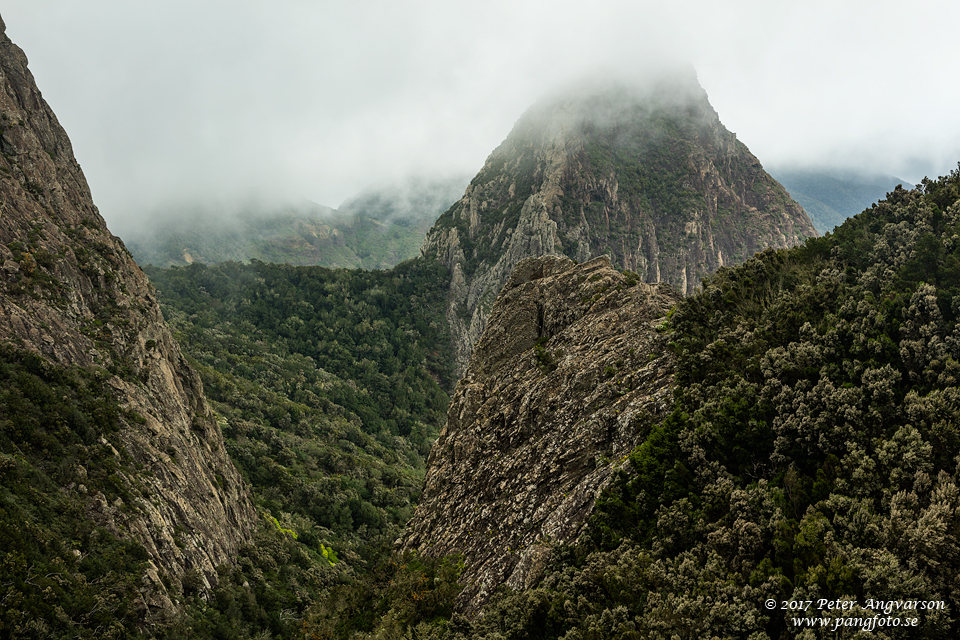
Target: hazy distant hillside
x=375 y=230
x=830 y=196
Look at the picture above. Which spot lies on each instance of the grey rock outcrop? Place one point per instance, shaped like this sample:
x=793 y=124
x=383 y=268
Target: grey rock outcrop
x=647 y=175
x=569 y=375
x=70 y=291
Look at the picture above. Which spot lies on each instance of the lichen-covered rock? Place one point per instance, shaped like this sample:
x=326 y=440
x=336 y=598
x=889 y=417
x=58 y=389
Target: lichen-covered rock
x=70 y=291
x=567 y=378
x=647 y=175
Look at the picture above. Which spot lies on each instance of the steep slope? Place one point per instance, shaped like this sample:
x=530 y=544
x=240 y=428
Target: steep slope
x=72 y=294
x=568 y=375
x=327 y=384
x=644 y=174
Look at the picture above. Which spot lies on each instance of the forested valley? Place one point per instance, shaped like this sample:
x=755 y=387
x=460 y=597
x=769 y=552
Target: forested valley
x=329 y=385
x=811 y=451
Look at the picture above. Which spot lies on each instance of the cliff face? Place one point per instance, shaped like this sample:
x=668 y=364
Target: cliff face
x=569 y=374
x=70 y=291
x=646 y=175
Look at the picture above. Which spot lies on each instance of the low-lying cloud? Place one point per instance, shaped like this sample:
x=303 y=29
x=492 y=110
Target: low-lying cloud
x=179 y=100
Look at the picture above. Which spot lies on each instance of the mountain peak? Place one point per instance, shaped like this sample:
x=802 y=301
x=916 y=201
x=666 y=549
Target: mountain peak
x=643 y=172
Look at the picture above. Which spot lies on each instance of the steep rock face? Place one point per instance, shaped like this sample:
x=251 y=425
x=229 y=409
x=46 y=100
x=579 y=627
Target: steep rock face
x=646 y=175
x=543 y=417
x=70 y=291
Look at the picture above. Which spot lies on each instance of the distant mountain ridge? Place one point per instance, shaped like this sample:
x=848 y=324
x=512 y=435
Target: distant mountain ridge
x=830 y=196
x=645 y=174
x=377 y=229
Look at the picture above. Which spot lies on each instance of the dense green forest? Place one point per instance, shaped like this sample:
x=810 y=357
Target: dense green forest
x=382 y=330
x=811 y=454
x=61 y=576
x=329 y=384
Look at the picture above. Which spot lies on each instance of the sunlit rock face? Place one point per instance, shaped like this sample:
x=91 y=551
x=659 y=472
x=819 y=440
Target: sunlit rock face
x=70 y=291
x=568 y=377
x=645 y=174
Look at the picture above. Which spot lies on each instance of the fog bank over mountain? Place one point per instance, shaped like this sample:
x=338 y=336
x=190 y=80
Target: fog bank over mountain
x=181 y=101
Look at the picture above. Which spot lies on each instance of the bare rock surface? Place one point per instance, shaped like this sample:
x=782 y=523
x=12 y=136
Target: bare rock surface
x=567 y=378
x=70 y=291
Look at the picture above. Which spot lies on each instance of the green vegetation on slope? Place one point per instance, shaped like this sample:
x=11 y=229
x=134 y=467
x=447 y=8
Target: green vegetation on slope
x=69 y=569
x=374 y=328
x=319 y=375
x=60 y=574
x=327 y=382
x=811 y=453
x=330 y=386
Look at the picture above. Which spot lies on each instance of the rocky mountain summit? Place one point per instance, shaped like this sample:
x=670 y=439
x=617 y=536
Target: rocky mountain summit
x=569 y=375
x=645 y=174
x=71 y=293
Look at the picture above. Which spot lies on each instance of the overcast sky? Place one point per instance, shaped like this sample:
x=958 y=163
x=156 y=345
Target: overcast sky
x=181 y=99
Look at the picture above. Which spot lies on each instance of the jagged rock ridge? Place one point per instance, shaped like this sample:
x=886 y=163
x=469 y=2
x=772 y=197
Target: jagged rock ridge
x=72 y=293
x=646 y=175
x=568 y=376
